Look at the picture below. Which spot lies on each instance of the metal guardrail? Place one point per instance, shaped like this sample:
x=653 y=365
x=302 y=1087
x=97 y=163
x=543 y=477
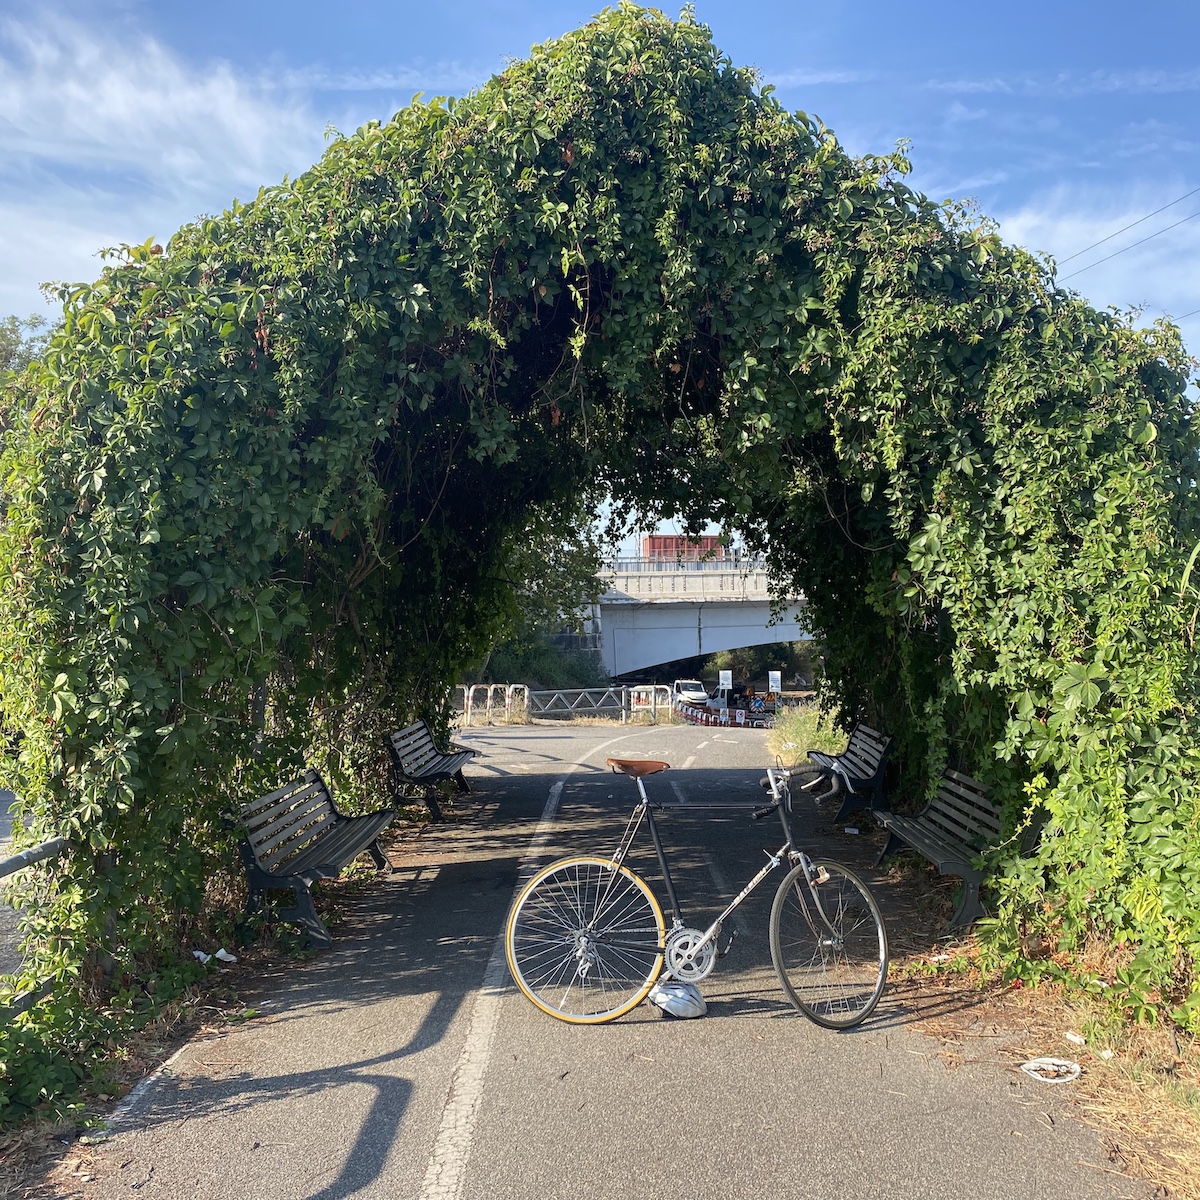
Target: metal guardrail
x=26 y=858
x=570 y=702
x=579 y=702
x=489 y=700
x=515 y=703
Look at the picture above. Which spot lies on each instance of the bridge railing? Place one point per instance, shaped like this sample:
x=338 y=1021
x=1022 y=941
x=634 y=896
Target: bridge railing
x=683 y=585
x=655 y=566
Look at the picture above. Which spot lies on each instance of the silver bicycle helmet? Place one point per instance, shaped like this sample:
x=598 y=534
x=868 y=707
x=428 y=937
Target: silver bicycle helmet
x=678 y=999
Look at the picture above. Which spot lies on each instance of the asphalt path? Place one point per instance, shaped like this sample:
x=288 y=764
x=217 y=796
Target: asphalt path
x=404 y=1064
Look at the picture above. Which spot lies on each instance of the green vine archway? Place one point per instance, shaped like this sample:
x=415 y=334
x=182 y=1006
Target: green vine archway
x=262 y=487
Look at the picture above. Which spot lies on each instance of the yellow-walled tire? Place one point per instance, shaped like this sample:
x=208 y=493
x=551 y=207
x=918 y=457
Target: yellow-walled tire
x=584 y=940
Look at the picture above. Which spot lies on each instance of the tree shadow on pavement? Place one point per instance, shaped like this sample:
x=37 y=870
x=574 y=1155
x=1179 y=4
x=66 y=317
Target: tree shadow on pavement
x=428 y=932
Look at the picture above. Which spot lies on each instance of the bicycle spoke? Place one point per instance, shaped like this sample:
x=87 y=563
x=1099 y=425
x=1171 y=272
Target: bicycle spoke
x=829 y=945
x=584 y=940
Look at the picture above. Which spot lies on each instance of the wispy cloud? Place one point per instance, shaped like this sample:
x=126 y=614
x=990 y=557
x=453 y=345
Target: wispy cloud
x=806 y=77
x=72 y=98
x=1068 y=83
x=959 y=112
x=452 y=77
x=109 y=136
x=1159 y=276
x=106 y=136
x=971 y=85
x=1142 y=138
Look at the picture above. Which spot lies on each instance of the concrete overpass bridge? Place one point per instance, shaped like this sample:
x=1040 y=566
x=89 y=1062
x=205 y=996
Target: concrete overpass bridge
x=655 y=611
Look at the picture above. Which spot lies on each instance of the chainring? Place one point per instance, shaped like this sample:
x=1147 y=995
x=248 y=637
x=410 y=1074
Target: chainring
x=682 y=961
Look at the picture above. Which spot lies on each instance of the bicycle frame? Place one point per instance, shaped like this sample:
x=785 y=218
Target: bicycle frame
x=788 y=852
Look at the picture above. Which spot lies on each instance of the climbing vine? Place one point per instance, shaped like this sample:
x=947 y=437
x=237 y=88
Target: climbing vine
x=264 y=486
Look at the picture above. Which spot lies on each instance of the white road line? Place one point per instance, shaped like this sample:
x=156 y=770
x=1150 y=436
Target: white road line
x=446 y=1173
x=687 y=762
x=702 y=745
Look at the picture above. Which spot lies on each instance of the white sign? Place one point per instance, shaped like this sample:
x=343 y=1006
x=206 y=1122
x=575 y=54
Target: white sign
x=775 y=682
x=725 y=680
x=741 y=716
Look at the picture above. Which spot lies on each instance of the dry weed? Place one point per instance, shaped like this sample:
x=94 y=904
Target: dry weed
x=1139 y=1086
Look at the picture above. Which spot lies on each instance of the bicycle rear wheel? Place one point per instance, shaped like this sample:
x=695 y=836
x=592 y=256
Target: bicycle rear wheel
x=584 y=940
x=829 y=945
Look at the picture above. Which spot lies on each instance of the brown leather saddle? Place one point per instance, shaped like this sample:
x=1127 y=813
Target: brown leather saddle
x=636 y=768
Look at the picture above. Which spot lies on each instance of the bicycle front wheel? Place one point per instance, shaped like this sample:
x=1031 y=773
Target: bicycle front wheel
x=585 y=939
x=829 y=944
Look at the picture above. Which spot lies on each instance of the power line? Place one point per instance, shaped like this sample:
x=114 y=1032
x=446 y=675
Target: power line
x=1129 y=247
x=1131 y=224
x=1186 y=315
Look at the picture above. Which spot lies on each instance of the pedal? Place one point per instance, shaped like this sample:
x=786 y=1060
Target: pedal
x=728 y=944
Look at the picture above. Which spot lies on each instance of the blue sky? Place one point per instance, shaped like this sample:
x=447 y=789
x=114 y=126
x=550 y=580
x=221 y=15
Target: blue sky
x=121 y=119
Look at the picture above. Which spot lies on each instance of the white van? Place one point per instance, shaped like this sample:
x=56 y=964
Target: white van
x=689 y=691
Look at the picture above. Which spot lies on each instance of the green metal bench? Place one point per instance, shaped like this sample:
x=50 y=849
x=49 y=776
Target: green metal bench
x=420 y=762
x=857 y=773
x=951 y=831
x=295 y=836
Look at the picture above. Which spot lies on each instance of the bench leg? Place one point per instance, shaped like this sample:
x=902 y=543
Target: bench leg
x=304 y=914
x=463 y=788
x=851 y=801
x=970 y=907
x=431 y=803
x=375 y=850
x=893 y=844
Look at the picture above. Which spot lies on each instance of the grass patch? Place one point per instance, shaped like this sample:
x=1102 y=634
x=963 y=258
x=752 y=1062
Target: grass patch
x=805 y=728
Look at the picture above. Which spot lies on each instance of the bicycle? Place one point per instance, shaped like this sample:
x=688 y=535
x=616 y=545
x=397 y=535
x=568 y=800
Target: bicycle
x=586 y=939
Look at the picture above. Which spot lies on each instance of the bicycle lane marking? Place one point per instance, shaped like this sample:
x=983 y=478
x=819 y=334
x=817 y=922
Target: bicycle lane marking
x=446 y=1173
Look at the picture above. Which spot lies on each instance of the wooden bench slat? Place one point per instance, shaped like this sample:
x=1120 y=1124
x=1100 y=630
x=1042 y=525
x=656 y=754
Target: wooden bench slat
x=952 y=830
x=328 y=855
x=285 y=811
x=973 y=807
x=282 y=798
x=290 y=786
x=445 y=767
x=294 y=836
x=969 y=832
x=939 y=849
x=291 y=837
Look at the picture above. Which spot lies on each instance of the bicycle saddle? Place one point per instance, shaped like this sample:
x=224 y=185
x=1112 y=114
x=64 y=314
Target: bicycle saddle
x=635 y=768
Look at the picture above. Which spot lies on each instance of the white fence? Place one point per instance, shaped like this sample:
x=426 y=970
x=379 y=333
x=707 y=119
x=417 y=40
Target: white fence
x=489 y=703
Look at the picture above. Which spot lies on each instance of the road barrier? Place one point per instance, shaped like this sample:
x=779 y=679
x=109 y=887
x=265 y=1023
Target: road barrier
x=699 y=714
x=515 y=703
x=565 y=703
x=484 y=703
